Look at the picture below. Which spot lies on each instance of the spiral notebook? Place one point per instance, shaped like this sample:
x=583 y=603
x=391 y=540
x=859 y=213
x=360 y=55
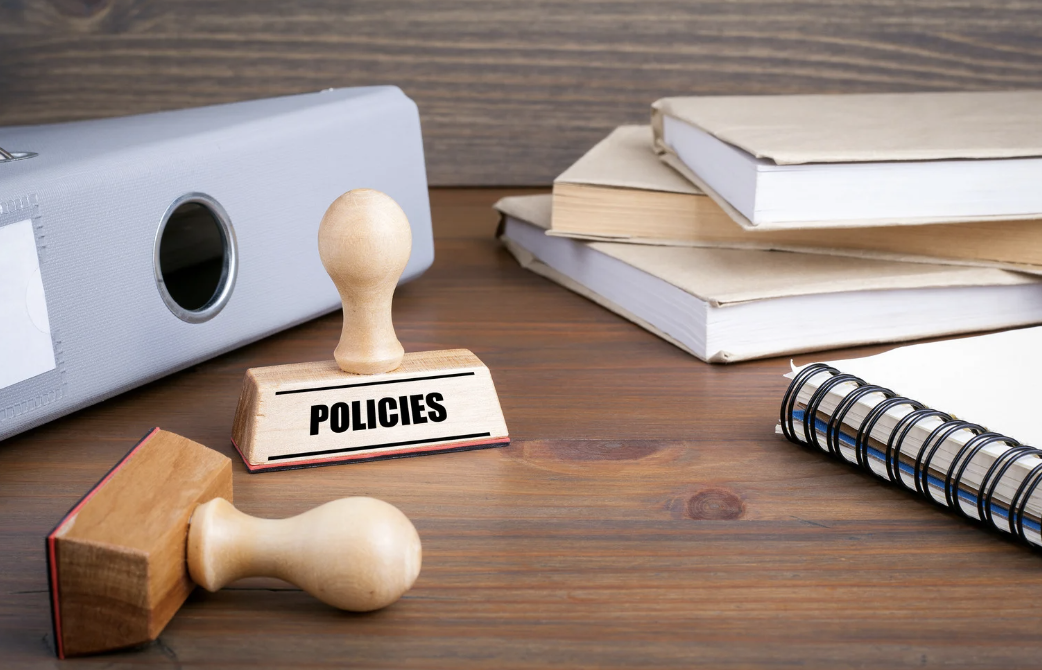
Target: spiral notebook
x=950 y=420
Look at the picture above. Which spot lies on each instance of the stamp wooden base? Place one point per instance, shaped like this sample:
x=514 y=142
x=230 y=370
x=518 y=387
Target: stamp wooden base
x=116 y=561
x=308 y=414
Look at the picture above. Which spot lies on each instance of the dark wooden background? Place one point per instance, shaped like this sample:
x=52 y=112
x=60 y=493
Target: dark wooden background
x=510 y=92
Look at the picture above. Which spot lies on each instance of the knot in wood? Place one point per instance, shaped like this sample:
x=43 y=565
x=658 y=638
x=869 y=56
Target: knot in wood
x=715 y=505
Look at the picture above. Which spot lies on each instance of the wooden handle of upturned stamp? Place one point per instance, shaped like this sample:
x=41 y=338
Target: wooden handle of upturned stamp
x=365 y=241
x=357 y=554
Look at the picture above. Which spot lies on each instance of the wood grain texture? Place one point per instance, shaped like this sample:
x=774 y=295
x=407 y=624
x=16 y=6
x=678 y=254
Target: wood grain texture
x=645 y=515
x=509 y=93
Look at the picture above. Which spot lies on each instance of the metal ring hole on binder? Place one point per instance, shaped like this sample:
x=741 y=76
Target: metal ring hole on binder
x=195 y=258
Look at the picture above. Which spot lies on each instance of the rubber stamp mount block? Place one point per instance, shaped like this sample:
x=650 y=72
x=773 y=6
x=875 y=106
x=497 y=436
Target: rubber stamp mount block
x=116 y=561
x=373 y=401
x=307 y=414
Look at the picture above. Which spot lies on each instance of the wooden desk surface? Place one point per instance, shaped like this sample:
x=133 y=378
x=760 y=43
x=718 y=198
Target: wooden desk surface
x=645 y=514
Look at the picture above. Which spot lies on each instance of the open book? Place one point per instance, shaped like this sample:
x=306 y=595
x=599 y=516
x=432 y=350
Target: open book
x=942 y=419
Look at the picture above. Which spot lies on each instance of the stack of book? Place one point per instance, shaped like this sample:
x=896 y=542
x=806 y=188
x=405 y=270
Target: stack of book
x=746 y=227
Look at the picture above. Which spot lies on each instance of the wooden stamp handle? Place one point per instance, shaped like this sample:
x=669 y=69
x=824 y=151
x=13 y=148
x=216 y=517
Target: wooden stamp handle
x=357 y=554
x=364 y=241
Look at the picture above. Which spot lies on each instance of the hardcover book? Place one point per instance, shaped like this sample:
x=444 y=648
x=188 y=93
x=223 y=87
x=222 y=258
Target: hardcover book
x=619 y=191
x=725 y=305
x=800 y=161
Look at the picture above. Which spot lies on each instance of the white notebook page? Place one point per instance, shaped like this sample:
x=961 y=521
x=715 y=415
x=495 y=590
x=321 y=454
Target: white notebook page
x=992 y=380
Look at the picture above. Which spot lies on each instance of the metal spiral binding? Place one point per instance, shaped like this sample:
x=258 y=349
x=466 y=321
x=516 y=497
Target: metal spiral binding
x=953 y=478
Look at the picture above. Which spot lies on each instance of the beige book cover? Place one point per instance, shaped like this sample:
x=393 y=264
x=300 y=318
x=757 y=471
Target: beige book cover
x=626 y=159
x=620 y=191
x=853 y=128
x=722 y=277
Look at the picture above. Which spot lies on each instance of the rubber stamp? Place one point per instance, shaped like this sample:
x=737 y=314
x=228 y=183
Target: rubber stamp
x=123 y=560
x=373 y=401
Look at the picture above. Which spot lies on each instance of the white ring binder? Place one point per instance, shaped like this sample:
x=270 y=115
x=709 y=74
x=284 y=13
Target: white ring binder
x=99 y=192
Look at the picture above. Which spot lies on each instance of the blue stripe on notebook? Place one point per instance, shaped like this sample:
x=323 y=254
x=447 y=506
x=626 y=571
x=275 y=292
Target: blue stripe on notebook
x=997 y=510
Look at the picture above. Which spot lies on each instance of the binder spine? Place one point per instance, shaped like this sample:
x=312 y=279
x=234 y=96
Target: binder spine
x=985 y=476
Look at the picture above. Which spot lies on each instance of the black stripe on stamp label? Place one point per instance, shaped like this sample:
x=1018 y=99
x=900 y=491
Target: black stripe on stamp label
x=379 y=383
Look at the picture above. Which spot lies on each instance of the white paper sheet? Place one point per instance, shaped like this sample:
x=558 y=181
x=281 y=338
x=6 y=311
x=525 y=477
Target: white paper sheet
x=25 y=330
x=993 y=380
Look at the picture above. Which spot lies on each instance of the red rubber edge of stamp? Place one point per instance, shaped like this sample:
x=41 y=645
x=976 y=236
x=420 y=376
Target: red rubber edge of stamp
x=367 y=458
x=52 y=564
